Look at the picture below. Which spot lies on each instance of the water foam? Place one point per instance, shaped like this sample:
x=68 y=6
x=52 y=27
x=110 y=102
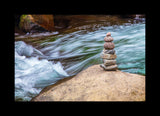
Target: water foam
x=32 y=74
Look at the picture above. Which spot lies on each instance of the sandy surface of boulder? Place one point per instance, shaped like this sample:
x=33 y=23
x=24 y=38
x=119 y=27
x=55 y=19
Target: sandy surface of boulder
x=95 y=84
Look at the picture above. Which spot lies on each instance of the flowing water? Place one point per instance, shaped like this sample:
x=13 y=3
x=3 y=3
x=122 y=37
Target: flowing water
x=43 y=62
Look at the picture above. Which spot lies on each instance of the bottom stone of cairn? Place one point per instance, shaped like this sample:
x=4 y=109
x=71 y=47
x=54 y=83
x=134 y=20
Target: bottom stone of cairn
x=109 y=68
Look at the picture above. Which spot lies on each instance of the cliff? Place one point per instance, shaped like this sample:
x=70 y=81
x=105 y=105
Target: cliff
x=95 y=84
x=36 y=23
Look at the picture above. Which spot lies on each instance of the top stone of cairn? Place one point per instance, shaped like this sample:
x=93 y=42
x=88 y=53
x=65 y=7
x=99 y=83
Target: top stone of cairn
x=108 y=37
x=108 y=34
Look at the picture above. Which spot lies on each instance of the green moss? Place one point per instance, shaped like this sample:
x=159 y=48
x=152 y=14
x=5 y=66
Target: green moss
x=23 y=16
x=52 y=39
x=24 y=19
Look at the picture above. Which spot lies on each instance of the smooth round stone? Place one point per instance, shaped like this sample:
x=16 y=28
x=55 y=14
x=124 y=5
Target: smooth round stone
x=112 y=51
x=109 y=68
x=108 y=56
x=109 y=45
x=109 y=62
x=108 y=34
x=108 y=39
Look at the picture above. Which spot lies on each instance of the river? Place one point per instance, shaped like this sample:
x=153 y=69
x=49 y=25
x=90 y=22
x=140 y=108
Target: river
x=42 y=62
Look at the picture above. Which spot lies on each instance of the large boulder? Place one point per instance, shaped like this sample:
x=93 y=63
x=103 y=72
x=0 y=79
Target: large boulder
x=95 y=84
x=36 y=23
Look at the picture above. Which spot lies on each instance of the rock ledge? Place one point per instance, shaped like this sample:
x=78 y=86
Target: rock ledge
x=95 y=84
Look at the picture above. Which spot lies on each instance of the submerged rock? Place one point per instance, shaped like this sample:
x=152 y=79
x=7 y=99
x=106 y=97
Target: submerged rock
x=95 y=84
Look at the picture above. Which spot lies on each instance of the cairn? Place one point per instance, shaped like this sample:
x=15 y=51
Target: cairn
x=108 y=55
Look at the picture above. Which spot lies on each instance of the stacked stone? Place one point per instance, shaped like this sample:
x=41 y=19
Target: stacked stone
x=108 y=55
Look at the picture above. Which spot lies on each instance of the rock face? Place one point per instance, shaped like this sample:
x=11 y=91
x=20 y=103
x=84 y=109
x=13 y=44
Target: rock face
x=95 y=84
x=36 y=23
